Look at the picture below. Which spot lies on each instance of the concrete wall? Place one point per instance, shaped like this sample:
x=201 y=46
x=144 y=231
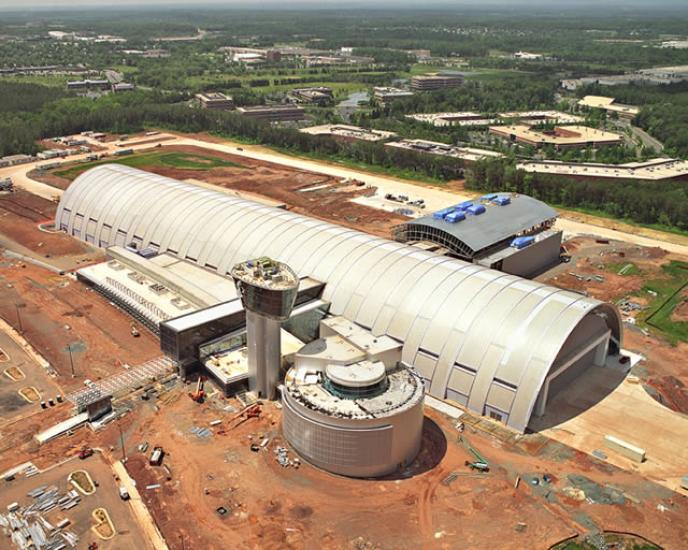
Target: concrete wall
x=535 y=258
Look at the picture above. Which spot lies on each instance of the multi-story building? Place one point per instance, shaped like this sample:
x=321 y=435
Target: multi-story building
x=436 y=81
x=215 y=100
x=386 y=94
x=273 y=113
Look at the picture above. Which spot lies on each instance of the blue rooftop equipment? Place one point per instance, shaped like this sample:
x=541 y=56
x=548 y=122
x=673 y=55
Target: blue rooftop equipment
x=522 y=242
x=476 y=209
x=440 y=214
x=454 y=217
x=464 y=205
x=490 y=197
x=501 y=201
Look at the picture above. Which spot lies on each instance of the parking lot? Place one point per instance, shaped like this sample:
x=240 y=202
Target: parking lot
x=128 y=534
x=19 y=372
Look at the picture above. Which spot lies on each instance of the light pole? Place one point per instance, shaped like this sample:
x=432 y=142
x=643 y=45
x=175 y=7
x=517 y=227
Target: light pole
x=19 y=321
x=71 y=359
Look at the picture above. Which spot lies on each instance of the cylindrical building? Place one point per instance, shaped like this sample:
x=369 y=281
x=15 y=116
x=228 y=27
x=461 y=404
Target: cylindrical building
x=354 y=420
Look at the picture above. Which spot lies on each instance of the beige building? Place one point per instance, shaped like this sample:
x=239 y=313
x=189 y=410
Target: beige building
x=560 y=138
x=345 y=132
x=273 y=113
x=610 y=105
x=659 y=169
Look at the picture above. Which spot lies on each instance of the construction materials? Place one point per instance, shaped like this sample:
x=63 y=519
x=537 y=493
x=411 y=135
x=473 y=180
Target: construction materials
x=250 y=411
x=628 y=450
x=156 y=456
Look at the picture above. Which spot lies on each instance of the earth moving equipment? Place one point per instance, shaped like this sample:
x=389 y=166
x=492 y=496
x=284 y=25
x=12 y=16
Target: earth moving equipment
x=250 y=411
x=199 y=395
x=479 y=463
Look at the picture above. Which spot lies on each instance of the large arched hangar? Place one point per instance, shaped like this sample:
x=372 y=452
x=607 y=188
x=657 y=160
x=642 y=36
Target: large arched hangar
x=497 y=343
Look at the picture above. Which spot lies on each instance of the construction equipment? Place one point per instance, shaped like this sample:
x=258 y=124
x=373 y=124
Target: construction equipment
x=135 y=332
x=250 y=411
x=480 y=463
x=85 y=453
x=199 y=395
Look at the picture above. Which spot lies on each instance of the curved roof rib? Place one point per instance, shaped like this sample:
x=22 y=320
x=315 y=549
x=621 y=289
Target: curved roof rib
x=481 y=333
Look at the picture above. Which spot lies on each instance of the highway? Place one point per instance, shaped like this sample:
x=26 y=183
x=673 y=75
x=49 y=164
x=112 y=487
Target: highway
x=435 y=198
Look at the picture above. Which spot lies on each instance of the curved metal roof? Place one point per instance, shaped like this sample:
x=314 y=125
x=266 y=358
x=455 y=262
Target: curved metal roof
x=466 y=328
x=477 y=232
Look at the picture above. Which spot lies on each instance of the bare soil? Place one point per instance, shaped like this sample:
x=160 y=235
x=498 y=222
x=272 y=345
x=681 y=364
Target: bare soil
x=20 y=215
x=57 y=313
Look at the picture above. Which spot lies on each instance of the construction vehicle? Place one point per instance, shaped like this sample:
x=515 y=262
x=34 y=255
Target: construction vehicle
x=85 y=453
x=199 y=395
x=135 y=332
x=250 y=411
x=156 y=456
x=480 y=463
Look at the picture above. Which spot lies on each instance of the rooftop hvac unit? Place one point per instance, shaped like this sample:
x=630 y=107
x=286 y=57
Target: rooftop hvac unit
x=522 y=242
x=440 y=214
x=455 y=217
x=476 y=209
x=501 y=201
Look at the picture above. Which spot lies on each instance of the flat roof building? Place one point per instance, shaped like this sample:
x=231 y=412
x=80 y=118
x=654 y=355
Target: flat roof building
x=385 y=94
x=497 y=344
x=658 y=169
x=321 y=95
x=471 y=118
x=88 y=84
x=215 y=100
x=273 y=113
x=560 y=138
x=345 y=132
x=436 y=81
x=610 y=105
x=467 y=154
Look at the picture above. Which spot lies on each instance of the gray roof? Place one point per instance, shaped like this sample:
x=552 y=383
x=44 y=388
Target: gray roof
x=497 y=224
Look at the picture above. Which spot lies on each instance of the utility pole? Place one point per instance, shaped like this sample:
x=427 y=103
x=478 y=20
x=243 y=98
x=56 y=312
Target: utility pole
x=121 y=441
x=19 y=322
x=71 y=359
x=181 y=537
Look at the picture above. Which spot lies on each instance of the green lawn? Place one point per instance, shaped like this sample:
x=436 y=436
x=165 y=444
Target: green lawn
x=625 y=269
x=183 y=161
x=669 y=294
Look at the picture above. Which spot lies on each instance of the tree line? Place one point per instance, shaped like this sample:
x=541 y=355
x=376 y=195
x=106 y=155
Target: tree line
x=647 y=202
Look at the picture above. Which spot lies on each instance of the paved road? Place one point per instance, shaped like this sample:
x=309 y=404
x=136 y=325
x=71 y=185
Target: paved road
x=435 y=198
x=647 y=140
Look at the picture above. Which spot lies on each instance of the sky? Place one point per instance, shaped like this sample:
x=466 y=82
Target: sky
x=24 y=4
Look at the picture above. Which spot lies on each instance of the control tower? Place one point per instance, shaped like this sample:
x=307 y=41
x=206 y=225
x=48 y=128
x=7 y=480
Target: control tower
x=268 y=291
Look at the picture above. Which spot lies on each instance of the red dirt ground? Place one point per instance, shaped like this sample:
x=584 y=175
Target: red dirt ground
x=281 y=184
x=274 y=507
x=56 y=311
x=21 y=213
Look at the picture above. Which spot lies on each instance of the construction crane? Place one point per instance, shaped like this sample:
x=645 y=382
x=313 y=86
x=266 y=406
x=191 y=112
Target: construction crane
x=250 y=411
x=479 y=463
x=199 y=395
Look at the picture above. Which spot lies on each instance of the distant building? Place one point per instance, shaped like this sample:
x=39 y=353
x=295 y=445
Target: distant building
x=88 y=85
x=215 y=100
x=342 y=132
x=419 y=54
x=470 y=118
x=659 y=169
x=467 y=154
x=123 y=87
x=527 y=55
x=386 y=94
x=273 y=113
x=560 y=138
x=436 y=81
x=610 y=105
x=321 y=95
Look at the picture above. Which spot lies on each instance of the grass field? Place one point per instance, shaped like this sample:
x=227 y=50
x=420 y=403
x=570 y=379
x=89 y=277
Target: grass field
x=669 y=294
x=183 y=161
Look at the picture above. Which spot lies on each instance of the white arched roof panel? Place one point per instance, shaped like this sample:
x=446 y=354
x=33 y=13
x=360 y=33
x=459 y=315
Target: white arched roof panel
x=499 y=327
